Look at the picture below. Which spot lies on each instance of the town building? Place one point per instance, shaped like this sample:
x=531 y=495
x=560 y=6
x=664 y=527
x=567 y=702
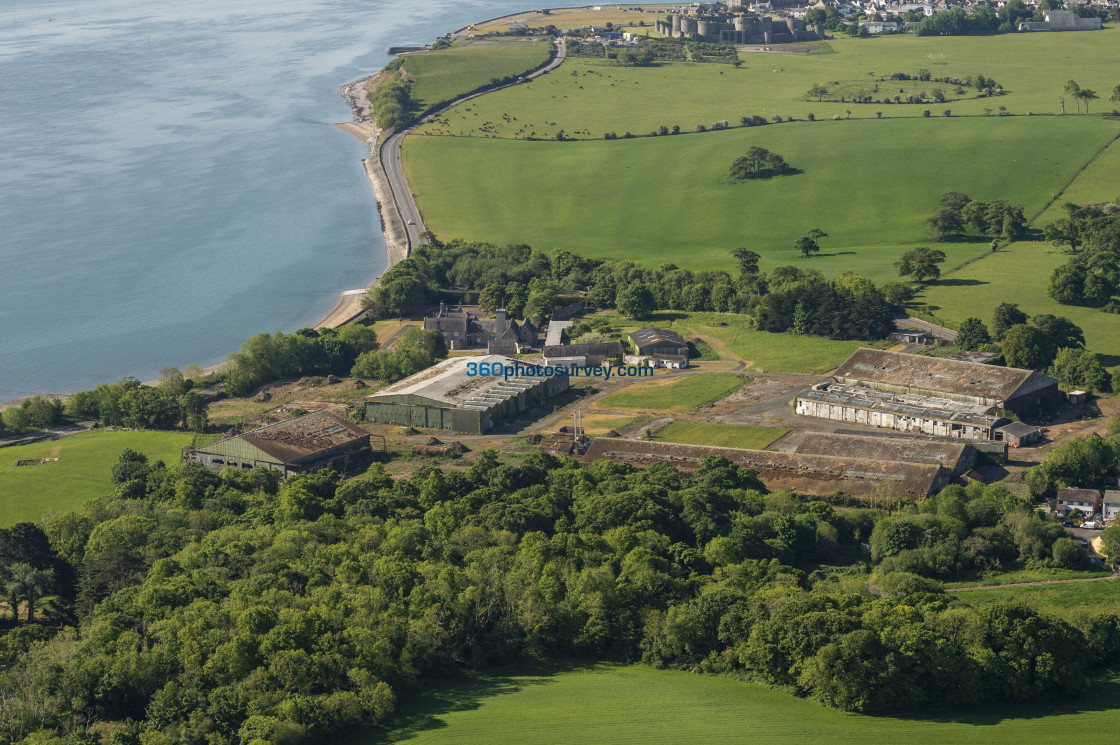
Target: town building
x=304 y=444
x=1020 y=391
x=1087 y=501
x=465 y=394
x=1110 y=505
x=1062 y=20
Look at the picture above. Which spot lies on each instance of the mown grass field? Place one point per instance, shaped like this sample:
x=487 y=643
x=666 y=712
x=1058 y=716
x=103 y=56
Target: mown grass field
x=673 y=394
x=720 y=435
x=579 y=97
x=440 y=75
x=82 y=472
x=760 y=351
x=1020 y=272
x=668 y=199
x=1064 y=599
x=636 y=704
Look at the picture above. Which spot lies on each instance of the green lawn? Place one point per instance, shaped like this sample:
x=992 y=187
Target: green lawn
x=667 y=198
x=720 y=435
x=589 y=97
x=634 y=704
x=440 y=75
x=760 y=350
x=1064 y=599
x=82 y=471
x=673 y=394
x=1020 y=272
x=1026 y=575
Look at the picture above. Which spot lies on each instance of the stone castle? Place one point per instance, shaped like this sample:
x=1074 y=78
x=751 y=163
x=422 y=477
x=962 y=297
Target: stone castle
x=714 y=22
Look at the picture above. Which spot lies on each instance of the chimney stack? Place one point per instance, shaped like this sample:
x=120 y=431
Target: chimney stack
x=500 y=318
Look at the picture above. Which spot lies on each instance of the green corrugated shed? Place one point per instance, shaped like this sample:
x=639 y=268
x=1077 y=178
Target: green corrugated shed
x=235 y=447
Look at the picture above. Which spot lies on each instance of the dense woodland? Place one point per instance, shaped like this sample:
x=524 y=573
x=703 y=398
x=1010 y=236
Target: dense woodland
x=193 y=607
x=529 y=282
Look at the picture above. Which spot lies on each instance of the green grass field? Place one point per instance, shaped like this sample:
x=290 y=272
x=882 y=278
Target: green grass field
x=1064 y=599
x=442 y=74
x=667 y=198
x=735 y=339
x=635 y=704
x=1026 y=575
x=582 y=100
x=673 y=394
x=720 y=435
x=579 y=17
x=85 y=462
x=1020 y=272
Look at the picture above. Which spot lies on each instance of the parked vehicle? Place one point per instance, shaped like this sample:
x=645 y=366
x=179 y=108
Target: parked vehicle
x=1091 y=525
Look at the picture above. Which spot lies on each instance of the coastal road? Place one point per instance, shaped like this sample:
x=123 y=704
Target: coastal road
x=390 y=155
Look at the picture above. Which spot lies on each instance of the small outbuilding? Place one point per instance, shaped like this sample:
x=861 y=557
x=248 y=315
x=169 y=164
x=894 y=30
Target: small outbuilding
x=1018 y=434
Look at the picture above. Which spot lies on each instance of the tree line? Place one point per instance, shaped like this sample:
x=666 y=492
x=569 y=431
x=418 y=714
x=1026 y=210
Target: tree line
x=530 y=282
x=1091 y=276
x=189 y=606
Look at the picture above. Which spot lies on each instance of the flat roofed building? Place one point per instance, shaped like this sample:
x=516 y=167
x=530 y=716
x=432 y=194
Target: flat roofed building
x=955 y=457
x=1010 y=388
x=800 y=472
x=308 y=443
x=935 y=417
x=466 y=394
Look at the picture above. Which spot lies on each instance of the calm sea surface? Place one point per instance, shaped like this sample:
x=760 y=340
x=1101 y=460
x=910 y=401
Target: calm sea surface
x=170 y=183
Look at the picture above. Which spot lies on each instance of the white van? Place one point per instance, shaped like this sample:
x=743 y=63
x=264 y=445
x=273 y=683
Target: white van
x=1091 y=525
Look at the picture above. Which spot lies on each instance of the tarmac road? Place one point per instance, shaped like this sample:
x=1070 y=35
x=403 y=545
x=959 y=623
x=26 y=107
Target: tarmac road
x=390 y=156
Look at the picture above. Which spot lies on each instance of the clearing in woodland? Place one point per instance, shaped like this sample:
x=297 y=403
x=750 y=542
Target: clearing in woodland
x=637 y=704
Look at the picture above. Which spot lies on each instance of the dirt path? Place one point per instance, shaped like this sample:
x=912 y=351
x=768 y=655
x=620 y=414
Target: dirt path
x=1034 y=584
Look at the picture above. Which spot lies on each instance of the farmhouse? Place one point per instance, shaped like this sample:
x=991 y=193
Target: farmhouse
x=801 y=472
x=465 y=394
x=321 y=439
x=1020 y=391
x=461 y=329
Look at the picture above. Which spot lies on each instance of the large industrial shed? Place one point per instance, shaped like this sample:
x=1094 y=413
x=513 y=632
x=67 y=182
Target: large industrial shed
x=904 y=412
x=321 y=439
x=449 y=396
x=1021 y=391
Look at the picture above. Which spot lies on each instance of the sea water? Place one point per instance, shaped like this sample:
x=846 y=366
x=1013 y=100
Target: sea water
x=170 y=182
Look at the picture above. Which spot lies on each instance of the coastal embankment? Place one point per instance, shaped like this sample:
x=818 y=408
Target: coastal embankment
x=364 y=128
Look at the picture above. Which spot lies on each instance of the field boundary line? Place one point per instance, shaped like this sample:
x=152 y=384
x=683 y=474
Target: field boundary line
x=1040 y=583
x=1053 y=198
